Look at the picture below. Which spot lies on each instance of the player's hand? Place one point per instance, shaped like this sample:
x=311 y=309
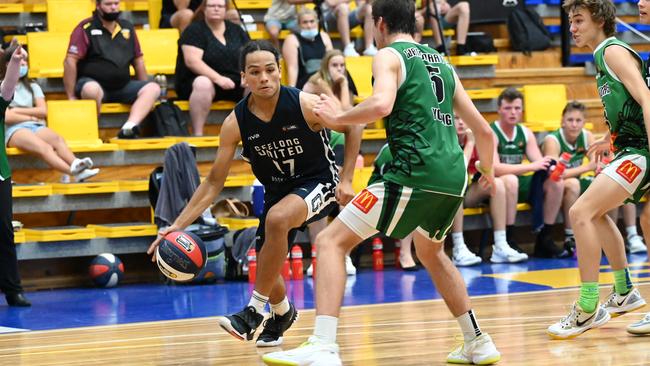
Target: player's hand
x=326 y=109
x=486 y=181
x=19 y=53
x=344 y=193
x=161 y=234
x=599 y=149
x=543 y=163
x=225 y=83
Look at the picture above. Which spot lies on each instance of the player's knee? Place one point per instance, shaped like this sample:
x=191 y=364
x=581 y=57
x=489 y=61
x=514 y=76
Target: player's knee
x=571 y=186
x=276 y=222
x=463 y=8
x=511 y=182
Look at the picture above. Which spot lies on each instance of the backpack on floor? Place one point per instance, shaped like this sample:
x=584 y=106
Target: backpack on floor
x=527 y=31
x=167 y=119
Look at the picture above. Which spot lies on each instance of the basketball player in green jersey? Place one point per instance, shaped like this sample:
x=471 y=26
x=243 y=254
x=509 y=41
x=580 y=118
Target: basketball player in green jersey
x=643 y=325
x=417 y=91
x=574 y=139
x=626 y=99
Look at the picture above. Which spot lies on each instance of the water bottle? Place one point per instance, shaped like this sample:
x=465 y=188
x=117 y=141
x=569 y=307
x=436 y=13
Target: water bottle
x=296 y=262
x=252 y=265
x=161 y=80
x=258 y=198
x=561 y=165
x=377 y=254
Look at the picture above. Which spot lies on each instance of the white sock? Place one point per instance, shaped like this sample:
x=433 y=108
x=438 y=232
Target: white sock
x=457 y=238
x=631 y=231
x=469 y=326
x=281 y=308
x=325 y=328
x=500 y=238
x=128 y=126
x=258 y=302
x=568 y=233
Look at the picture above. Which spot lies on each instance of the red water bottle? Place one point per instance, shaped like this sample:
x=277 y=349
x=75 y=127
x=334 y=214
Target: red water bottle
x=252 y=265
x=286 y=270
x=398 y=250
x=313 y=260
x=560 y=166
x=296 y=262
x=377 y=254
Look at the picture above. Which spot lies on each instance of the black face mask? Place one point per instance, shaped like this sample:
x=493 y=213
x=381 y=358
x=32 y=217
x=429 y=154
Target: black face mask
x=110 y=17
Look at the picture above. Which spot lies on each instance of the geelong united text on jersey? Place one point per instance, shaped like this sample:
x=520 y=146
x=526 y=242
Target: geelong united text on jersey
x=284 y=150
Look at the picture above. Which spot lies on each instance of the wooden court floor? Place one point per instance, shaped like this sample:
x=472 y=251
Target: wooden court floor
x=413 y=333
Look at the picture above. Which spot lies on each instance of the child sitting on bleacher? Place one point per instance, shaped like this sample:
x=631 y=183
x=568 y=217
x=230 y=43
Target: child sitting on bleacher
x=26 y=130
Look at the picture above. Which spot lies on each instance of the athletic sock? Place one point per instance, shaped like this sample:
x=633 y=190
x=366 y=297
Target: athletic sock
x=469 y=326
x=258 y=302
x=500 y=238
x=568 y=233
x=325 y=328
x=588 y=296
x=281 y=308
x=631 y=231
x=457 y=239
x=622 y=281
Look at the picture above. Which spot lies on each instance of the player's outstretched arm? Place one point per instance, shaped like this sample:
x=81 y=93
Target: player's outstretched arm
x=212 y=185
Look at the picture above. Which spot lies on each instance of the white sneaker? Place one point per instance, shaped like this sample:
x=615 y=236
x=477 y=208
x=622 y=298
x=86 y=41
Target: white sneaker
x=370 y=51
x=577 y=322
x=617 y=305
x=310 y=271
x=505 y=254
x=640 y=327
x=85 y=174
x=349 y=51
x=636 y=244
x=78 y=165
x=479 y=351
x=311 y=353
x=463 y=257
x=350 y=269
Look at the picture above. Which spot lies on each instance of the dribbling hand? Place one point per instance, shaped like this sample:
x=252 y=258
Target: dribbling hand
x=161 y=234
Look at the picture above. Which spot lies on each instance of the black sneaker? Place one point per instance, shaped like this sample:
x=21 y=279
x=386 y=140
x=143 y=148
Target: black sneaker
x=134 y=133
x=241 y=325
x=570 y=245
x=545 y=247
x=275 y=326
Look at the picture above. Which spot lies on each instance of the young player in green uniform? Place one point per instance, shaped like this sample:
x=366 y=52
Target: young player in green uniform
x=626 y=99
x=417 y=91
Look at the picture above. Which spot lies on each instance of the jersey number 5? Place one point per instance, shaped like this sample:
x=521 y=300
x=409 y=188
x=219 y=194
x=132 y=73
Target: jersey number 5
x=437 y=83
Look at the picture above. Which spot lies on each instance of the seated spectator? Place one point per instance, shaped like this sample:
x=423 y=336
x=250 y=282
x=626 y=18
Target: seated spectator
x=332 y=79
x=525 y=182
x=633 y=241
x=457 y=15
x=574 y=139
x=475 y=196
x=337 y=16
x=179 y=13
x=96 y=66
x=25 y=122
x=303 y=51
x=207 y=66
x=281 y=15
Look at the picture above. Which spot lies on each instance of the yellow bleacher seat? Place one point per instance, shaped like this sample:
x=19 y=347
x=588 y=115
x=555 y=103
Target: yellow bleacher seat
x=47 y=51
x=159 y=47
x=543 y=105
x=64 y=15
x=76 y=121
x=360 y=179
x=360 y=68
x=154 y=11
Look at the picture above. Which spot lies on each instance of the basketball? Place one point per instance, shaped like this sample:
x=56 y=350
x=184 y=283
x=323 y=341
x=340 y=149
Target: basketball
x=106 y=270
x=181 y=256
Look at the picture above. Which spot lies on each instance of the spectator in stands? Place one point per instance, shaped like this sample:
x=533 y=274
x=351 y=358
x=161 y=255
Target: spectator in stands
x=207 y=67
x=457 y=15
x=634 y=242
x=179 y=13
x=574 y=139
x=514 y=142
x=281 y=15
x=337 y=15
x=101 y=50
x=9 y=276
x=476 y=195
x=332 y=79
x=26 y=130
x=303 y=51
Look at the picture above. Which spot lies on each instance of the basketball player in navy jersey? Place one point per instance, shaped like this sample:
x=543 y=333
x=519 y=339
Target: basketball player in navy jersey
x=287 y=147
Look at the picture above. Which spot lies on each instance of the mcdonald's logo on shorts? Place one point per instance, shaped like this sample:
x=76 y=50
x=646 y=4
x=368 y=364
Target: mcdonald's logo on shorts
x=628 y=170
x=364 y=201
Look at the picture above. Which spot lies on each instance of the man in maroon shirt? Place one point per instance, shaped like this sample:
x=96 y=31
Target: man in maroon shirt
x=101 y=50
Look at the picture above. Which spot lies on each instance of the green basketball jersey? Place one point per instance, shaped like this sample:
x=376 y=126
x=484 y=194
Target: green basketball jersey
x=382 y=159
x=511 y=151
x=420 y=128
x=623 y=114
x=578 y=150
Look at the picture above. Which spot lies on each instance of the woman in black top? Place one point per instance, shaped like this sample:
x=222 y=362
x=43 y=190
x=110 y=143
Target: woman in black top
x=178 y=13
x=207 y=67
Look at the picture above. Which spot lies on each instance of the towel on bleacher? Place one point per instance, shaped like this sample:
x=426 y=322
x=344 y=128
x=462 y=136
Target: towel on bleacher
x=180 y=180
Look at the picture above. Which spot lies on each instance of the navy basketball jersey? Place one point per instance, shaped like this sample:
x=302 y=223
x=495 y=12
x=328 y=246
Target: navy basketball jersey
x=285 y=151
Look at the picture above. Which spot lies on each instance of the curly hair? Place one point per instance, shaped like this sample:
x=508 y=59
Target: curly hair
x=600 y=10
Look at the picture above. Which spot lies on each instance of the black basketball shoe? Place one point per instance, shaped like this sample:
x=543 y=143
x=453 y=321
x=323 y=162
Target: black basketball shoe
x=275 y=326
x=241 y=325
